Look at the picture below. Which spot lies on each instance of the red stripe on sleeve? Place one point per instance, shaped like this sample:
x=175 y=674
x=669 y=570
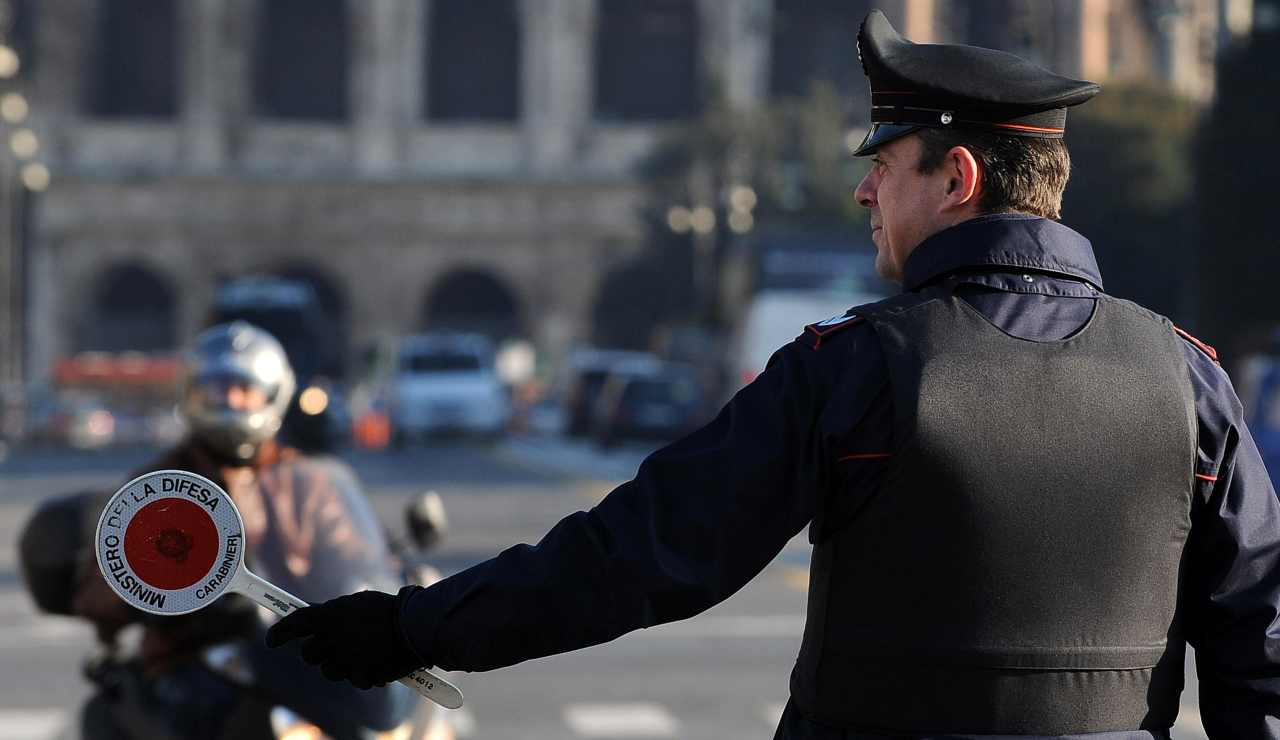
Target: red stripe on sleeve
x=866 y=456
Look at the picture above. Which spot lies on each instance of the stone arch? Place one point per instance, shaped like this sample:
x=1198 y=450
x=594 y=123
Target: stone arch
x=132 y=307
x=473 y=299
x=637 y=295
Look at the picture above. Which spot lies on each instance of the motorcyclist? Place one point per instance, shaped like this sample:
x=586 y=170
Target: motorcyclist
x=307 y=528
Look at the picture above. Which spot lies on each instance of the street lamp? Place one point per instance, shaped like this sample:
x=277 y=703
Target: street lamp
x=737 y=208
x=9 y=62
x=742 y=202
x=35 y=176
x=24 y=143
x=13 y=107
x=703 y=220
x=679 y=219
x=20 y=173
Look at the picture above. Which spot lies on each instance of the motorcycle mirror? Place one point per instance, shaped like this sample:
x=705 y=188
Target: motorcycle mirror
x=172 y=542
x=426 y=520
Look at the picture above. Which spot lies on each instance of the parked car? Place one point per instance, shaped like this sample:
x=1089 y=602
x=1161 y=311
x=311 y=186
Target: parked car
x=81 y=421
x=648 y=401
x=447 y=383
x=588 y=369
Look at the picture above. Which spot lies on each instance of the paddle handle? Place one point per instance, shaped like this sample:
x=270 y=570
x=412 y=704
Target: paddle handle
x=283 y=603
x=265 y=593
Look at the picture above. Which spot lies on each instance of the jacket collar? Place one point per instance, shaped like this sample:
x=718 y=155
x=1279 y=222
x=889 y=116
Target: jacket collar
x=1008 y=240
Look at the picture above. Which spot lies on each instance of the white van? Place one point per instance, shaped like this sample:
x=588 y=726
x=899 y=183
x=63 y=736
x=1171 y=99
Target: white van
x=774 y=318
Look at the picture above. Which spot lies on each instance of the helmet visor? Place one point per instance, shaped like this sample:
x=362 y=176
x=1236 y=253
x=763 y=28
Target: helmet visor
x=226 y=389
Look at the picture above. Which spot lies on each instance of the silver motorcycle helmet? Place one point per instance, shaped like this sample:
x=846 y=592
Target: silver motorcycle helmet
x=236 y=390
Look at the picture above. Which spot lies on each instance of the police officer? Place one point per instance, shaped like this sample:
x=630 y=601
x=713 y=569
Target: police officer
x=1025 y=496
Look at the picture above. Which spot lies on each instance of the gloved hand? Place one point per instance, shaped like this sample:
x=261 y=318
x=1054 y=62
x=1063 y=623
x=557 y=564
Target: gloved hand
x=355 y=637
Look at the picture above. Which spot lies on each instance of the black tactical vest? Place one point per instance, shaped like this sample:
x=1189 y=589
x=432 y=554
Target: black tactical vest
x=1017 y=571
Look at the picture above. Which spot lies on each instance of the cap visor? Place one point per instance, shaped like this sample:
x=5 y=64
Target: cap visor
x=881 y=134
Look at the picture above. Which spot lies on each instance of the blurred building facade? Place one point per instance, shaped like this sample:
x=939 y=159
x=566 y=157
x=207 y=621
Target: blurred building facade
x=1172 y=43
x=439 y=162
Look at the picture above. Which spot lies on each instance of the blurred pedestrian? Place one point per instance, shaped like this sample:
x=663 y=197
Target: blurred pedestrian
x=1025 y=496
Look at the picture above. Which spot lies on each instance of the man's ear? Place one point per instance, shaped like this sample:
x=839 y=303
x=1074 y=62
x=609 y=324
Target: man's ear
x=964 y=178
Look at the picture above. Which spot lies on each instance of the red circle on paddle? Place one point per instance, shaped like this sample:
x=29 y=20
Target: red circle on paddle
x=171 y=543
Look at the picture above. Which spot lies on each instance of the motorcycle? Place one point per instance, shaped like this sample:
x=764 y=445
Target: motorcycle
x=315 y=543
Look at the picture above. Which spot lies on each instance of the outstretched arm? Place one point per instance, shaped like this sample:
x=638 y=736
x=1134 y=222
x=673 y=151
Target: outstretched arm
x=701 y=518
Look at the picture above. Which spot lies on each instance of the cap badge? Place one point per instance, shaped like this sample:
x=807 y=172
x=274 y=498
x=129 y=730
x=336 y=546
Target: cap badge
x=946 y=118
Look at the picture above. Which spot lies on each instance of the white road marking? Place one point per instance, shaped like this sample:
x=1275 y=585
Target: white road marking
x=30 y=724
x=772 y=714
x=773 y=625
x=16 y=603
x=59 y=631
x=620 y=720
x=1189 y=726
x=464 y=723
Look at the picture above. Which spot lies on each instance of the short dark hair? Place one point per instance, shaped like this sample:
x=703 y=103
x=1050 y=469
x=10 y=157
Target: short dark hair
x=1019 y=174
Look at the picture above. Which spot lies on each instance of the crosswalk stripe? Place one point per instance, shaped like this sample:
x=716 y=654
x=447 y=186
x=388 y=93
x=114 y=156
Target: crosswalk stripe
x=30 y=724
x=16 y=603
x=22 y=625
x=62 y=632
x=639 y=719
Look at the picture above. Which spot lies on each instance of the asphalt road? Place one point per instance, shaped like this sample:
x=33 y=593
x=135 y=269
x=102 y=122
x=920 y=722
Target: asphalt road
x=722 y=674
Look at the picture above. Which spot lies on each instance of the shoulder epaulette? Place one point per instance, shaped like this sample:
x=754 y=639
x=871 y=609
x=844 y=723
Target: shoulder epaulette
x=1210 y=352
x=820 y=331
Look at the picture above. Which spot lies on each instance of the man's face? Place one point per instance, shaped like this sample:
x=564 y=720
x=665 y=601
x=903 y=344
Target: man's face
x=234 y=395
x=241 y=397
x=905 y=205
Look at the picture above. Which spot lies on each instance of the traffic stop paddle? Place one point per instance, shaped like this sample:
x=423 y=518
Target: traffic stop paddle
x=171 y=542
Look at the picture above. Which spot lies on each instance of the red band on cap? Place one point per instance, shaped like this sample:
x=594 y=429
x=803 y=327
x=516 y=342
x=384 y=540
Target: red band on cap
x=171 y=543
x=1037 y=129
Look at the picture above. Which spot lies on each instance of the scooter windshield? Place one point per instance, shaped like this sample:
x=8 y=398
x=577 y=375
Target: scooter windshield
x=311 y=530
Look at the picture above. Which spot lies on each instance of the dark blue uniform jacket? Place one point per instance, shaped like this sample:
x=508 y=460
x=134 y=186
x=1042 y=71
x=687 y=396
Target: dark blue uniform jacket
x=802 y=443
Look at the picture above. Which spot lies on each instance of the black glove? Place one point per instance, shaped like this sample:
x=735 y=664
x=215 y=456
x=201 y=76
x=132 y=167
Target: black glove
x=356 y=637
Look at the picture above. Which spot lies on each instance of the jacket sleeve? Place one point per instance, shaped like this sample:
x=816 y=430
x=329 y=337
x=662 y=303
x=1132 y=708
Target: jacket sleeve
x=1232 y=564
x=701 y=518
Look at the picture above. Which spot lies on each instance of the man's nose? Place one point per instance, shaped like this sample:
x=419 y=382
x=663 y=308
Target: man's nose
x=865 y=193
